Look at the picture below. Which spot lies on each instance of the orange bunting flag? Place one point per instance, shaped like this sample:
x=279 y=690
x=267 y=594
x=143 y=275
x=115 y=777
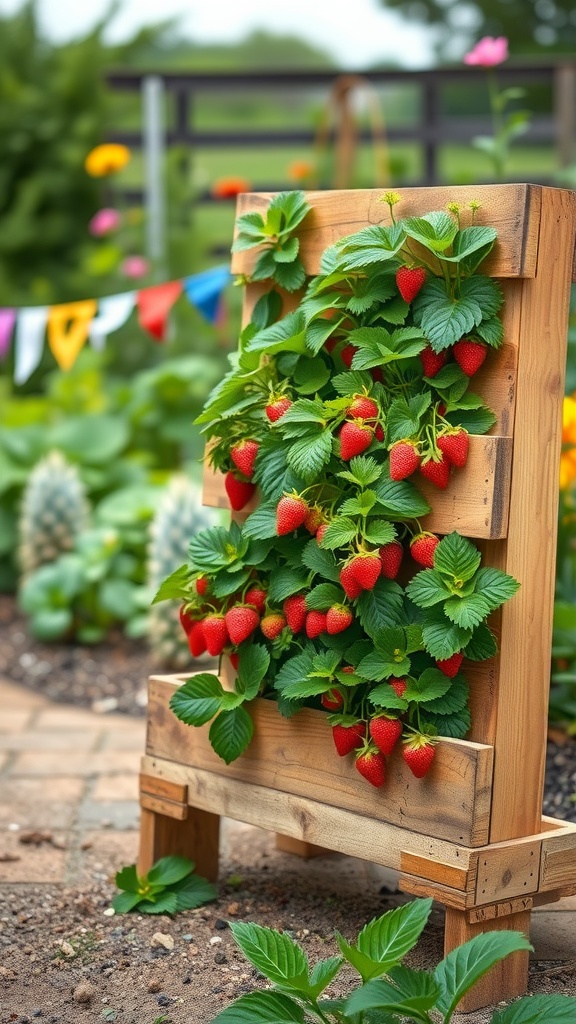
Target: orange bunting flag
x=154 y=305
x=68 y=327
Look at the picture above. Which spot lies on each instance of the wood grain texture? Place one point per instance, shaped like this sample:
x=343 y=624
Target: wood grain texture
x=298 y=848
x=511 y=209
x=166 y=807
x=297 y=756
x=163 y=789
x=437 y=871
x=195 y=837
x=507 y=872
x=505 y=980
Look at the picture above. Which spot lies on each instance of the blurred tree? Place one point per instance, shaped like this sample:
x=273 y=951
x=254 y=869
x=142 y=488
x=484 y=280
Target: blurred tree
x=260 y=50
x=534 y=26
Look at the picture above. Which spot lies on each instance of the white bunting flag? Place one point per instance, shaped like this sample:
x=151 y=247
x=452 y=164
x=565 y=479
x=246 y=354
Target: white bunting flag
x=29 y=341
x=113 y=312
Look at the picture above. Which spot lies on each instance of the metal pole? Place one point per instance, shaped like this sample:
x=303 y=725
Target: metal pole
x=154 y=146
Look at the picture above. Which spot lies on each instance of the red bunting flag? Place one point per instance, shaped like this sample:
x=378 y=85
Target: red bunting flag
x=154 y=305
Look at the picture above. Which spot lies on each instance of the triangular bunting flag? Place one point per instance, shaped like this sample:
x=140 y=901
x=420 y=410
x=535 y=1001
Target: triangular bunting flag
x=68 y=327
x=29 y=341
x=113 y=312
x=7 y=321
x=204 y=290
x=154 y=305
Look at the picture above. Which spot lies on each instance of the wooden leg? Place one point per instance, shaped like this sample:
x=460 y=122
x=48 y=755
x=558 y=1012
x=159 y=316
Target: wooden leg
x=299 y=847
x=196 y=837
x=505 y=980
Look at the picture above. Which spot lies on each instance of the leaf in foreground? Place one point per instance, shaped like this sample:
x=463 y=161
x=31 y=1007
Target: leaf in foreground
x=261 y=1008
x=466 y=964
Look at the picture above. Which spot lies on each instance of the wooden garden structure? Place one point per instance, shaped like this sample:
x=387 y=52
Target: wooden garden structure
x=471 y=834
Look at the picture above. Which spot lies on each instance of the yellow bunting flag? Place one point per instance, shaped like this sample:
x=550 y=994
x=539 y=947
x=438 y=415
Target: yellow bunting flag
x=68 y=327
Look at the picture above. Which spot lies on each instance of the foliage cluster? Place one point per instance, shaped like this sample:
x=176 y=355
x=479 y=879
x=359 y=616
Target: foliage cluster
x=170 y=887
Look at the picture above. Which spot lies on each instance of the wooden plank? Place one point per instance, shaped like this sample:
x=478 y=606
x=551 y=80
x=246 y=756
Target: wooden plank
x=298 y=848
x=558 y=863
x=520 y=737
x=297 y=756
x=499 y=910
x=311 y=821
x=505 y=980
x=436 y=871
x=508 y=871
x=166 y=807
x=441 y=893
x=511 y=209
x=163 y=789
x=196 y=837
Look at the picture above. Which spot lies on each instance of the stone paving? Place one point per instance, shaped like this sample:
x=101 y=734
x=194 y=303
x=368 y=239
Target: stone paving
x=73 y=775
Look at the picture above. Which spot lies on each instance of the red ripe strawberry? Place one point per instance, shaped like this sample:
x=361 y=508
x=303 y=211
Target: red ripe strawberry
x=391 y=556
x=332 y=700
x=347 y=737
x=376 y=374
x=437 y=471
x=366 y=569
x=432 y=362
x=215 y=633
x=363 y=407
x=455 y=446
x=315 y=624
x=235 y=660
x=295 y=611
x=321 y=531
x=385 y=732
x=355 y=437
x=399 y=686
x=410 y=281
x=347 y=355
x=349 y=582
x=419 y=753
x=257 y=597
x=272 y=625
x=450 y=666
x=243 y=456
x=338 y=618
x=469 y=355
x=291 y=512
x=239 y=491
x=422 y=548
x=314 y=519
x=379 y=432
x=372 y=766
x=197 y=640
x=185 y=620
x=241 y=621
x=277 y=407
x=201 y=585
x=404 y=460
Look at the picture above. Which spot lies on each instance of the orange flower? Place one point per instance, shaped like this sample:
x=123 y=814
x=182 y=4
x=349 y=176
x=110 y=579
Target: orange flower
x=568 y=456
x=106 y=159
x=228 y=188
x=301 y=170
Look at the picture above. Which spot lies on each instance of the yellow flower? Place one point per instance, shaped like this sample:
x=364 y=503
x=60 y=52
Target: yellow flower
x=568 y=456
x=106 y=159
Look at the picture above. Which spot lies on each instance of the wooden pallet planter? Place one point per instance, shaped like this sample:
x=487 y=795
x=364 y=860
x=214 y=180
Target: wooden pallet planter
x=471 y=833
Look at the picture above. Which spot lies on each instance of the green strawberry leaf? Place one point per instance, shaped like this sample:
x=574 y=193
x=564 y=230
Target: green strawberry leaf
x=230 y=733
x=435 y=231
x=430 y=684
x=400 y=499
x=482 y=644
x=273 y=953
x=261 y=523
x=386 y=698
x=321 y=598
x=374 y=666
x=198 y=700
x=308 y=456
x=290 y=276
x=310 y=375
x=253 y=664
x=491 y=331
x=467 y=612
x=261 y=1008
x=455 y=725
x=446 y=321
x=495 y=586
x=475 y=240
x=475 y=421
x=378 y=531
x=363 y=470
x=538 y=1009
x=351 y=383
x=193 y=892
x=380 y=606
x=285 y=582
x=457 y=557
x=443 y=638
x=169 y=870
x=456 y=974
x=320 y=561
x=454 y=699
x=427 y=588
x=340 y=532
x=175 y=586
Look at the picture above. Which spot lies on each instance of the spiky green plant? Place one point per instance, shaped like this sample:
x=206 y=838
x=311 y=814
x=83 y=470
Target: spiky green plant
x=54 y=511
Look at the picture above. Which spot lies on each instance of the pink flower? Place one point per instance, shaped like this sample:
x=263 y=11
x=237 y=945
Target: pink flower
x=135 y=266
x=488 y=52
x=104 y=222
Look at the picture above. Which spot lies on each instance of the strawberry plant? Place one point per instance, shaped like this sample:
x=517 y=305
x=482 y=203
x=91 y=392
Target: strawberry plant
x=169 y=887
x=388 y=990
x=330 y=592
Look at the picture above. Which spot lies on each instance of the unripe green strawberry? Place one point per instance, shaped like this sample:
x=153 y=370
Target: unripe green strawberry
x=422 y=548
x=257 y=597
x=363 y=407
x=243 y=456
x=239 y=491
x=295 y=611
x=332 y=700
x=197 y=640
x=215 y=633
x=432 y=362
x=451 y=666
x=241 y=621
x=410 y=281
x=437 y=471
x=455 y=445
x=277 y=407
x=419 y=753
x=469 y=355
x=399 y=686
x=355 y=437
x=315 y=624
x=349 y=582
x=338 y=618
x=291 y=512
x=371 y=764
x=385 y=732
x=348 y=737
x=365 y=569
x=272 y=625
x=391 y=556
x=404 y=460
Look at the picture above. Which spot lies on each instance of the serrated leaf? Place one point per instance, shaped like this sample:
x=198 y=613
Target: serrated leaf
x=261 y=1008
x=538 y=1009
x=290 y=276
x=165 y=903
x=261 y=523
x=294 y=669
x=430 y=684
x=124 y=902
x=253 y=664
x=491 y=331
x=443 y=638
x=375 y=666
x=340 y=531
x=455 y=725
x=482 y=645
x=322 y=974
x=475 y=239
x=304 y=410
x=169 y=870
x=320 y=561
x=475 y=421
x=286 y=252
x=445 y=322
x=454 y=699
x=378 y=531
x=285 y=581
x=387 y=939
x=198 y=700
x=267 y=310
x=323 y=596
x=400 y=499
x=351 y=383
x=381 y=606
x=435 y=231
x=362 y=470
x=456 y=974
x=310 y=375
x=427 y=588
x=285 y=335
x=318 y=332
x=230 y=733
x=495 y=586
x=273 y=953
x=308 y=456
x=194 y=892
x=411 y=994
x=456 y=556
x=127 y=879
x=467 y=612
x=175 y=586
x=486 y=291
x=386 y=698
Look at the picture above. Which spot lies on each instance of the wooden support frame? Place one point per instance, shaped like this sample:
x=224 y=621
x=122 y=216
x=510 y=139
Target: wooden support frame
x=487 y=855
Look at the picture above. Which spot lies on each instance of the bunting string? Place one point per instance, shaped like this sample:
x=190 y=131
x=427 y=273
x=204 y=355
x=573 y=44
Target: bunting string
x=68 y=326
